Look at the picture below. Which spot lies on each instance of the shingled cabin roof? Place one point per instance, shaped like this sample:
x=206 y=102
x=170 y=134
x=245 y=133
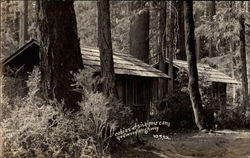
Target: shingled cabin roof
x=21 y=55
x=123 y=64
x=210 y=73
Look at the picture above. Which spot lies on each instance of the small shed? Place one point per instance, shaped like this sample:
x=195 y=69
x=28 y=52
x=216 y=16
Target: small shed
x=17 y=67
x=218 y=79
x=134 y=78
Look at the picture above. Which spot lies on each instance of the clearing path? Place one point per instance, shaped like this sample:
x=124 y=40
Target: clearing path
x=221 y=144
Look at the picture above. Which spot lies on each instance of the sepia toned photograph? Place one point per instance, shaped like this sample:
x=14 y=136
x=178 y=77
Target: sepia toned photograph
x=124 y=79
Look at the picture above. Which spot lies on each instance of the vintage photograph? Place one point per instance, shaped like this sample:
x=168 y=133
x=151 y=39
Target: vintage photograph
x=124 y=79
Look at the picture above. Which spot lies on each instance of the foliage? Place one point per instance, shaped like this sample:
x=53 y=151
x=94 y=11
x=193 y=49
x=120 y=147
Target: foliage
x=87 y=81
x=10 y=30
x=86 y=15
x=36 y=128
x=233 y=119
x=177 y=111
x=5 y=106
x=39 y=129
x=224 y=27
x=120 y=22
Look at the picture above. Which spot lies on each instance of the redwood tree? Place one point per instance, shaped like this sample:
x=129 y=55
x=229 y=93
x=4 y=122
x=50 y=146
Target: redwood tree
x=193 y=85
x=181 y=55
x=60 y=50
x=162 y=48
x=25 y=21
x=212 y=12
x=105 y=48
x=139 y=35
x=171 y=44
x=245 y=99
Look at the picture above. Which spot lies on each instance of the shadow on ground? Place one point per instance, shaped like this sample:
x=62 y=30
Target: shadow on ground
x=191 y=144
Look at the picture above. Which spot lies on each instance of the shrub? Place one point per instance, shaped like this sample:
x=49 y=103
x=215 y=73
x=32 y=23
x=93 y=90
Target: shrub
x=233 y=119
x=29 y=132
x=107 y=117
x=36 y=128
x=227 y=118
x=176 y=111
x=88 y=82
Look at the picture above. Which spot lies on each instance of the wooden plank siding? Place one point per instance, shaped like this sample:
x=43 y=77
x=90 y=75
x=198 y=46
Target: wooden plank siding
x=135 y=92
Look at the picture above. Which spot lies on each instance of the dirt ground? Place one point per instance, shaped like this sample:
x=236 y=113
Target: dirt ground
x=189 y=144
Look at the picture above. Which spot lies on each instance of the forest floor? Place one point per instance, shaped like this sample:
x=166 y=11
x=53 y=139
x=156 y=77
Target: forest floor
x=192 y=144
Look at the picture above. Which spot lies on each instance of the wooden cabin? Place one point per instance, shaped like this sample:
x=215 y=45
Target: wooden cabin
x=134 y=78
x=219 y=80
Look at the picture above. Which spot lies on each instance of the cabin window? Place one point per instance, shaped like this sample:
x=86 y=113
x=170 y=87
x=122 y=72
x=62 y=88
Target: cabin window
x=141 y=92
x=219 y=92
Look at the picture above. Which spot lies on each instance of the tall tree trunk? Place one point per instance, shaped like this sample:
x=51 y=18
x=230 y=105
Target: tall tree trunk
x=24 y=24
x=245 y=99
x=194 y=92
x=25 y=21
x=232 y=69
x=198 y=47
x=181 y=55
x=197 y=36
x=162 y=49
x=212 y=12
x=60 y=50
x=17 y=27
x=247 y=6
x=139 y=35
x=171 y=31
x=105 y=47
x=231 y=51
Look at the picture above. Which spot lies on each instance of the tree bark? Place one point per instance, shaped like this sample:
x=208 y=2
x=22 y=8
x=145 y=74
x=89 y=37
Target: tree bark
x=25 y=21
x=139 y=35
x=231 y=51
x=212 y=12
x=17 y=27
x=198 y=47
x=171 y=41
x=105 y=48
x=24 y=24
x=232 y=69
x=245 y=98
x=247 y=6
x=194 y=92
x=162 y=49
x=60 y=51
x=181 y=55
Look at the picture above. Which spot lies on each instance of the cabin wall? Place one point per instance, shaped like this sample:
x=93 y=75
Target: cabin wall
x=175 y=76
x=135 y=92
x=15 y=81
x=154 y=97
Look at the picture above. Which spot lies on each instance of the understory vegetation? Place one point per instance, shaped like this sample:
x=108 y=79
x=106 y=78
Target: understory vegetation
x=35 y=128
x=179 y=111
